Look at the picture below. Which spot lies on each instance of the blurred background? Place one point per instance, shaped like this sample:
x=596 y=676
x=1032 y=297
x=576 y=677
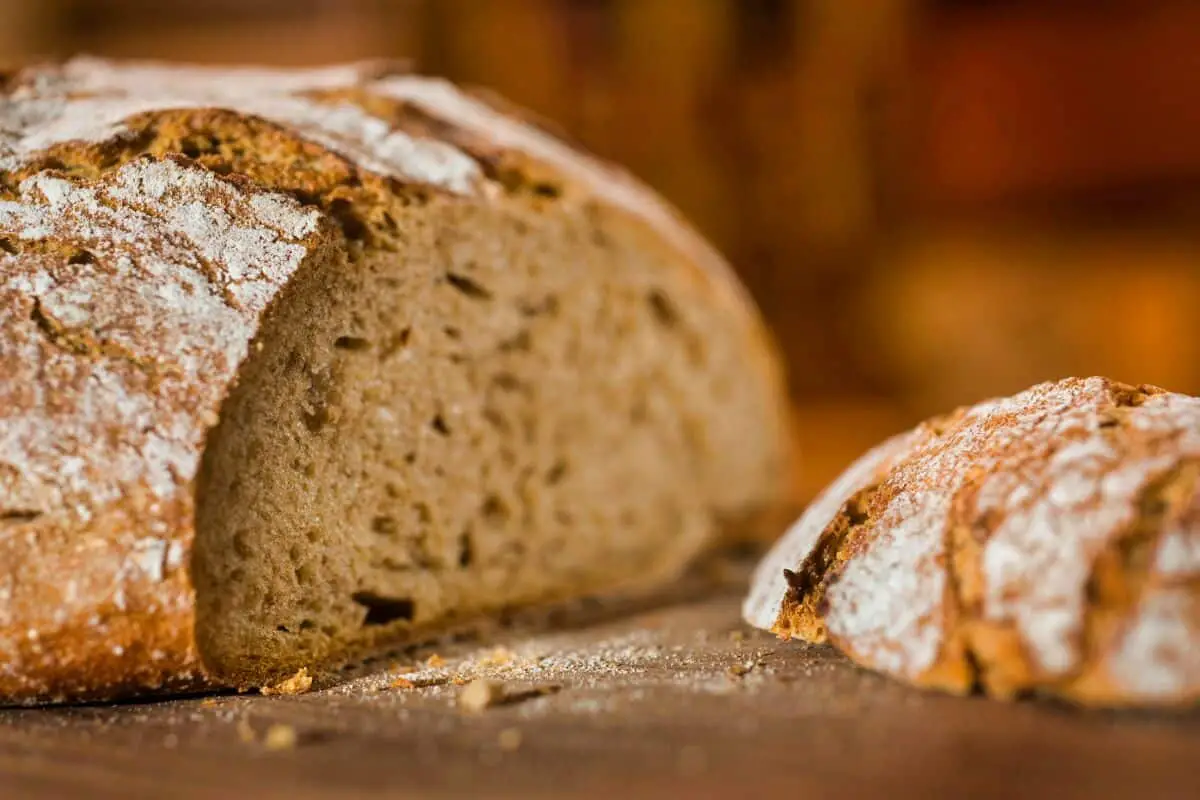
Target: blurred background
x=932 y=201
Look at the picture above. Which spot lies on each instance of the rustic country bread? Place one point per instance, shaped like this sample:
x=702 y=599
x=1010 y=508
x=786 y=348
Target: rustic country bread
x=299 y=364
x=1048 y=542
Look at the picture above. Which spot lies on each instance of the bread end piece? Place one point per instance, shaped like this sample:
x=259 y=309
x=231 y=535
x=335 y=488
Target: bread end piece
x=1046 y=543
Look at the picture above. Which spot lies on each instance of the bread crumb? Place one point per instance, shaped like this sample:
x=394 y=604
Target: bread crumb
x=739 y=670
x=458 y=680
x=435 y=661
x=280 y=737
x=402 y=683
x=434 y=681
x=480 y=694
x=299 y=683
x=737 y=636
x=245 y=732
x=208 y=701
x=509 y=739
x=499 y=657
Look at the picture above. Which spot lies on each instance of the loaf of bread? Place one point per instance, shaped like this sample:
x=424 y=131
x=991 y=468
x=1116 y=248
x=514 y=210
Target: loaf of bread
x=297 y=365
x=1045 y=543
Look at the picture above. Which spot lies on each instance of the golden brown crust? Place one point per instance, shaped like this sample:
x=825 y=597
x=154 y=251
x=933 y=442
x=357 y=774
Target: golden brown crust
x=1045 y=542
x=85 y=639
x=142 y=189
x=123 y=320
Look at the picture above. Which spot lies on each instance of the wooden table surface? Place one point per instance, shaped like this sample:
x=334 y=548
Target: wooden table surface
x=672 y=700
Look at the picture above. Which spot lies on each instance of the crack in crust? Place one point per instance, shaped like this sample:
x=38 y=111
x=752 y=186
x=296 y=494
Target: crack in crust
x=1016 y=547
x=808 y=585
x=86 y=343
x=1122 y=578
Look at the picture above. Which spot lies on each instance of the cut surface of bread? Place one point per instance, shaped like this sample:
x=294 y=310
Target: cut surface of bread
x=301 y=365
x=1044 y=543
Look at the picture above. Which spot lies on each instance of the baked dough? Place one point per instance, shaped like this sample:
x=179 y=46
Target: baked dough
x=296 y=365
x=1048 y=542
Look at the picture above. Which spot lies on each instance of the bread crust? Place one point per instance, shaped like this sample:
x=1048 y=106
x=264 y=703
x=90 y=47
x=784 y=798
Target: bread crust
x=134 y=276
x=1043 y=543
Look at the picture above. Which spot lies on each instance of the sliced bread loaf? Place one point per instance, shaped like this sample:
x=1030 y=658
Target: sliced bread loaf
x=295 y=365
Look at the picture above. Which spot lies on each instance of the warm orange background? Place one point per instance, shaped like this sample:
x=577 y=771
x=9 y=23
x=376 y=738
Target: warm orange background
x=932 y=201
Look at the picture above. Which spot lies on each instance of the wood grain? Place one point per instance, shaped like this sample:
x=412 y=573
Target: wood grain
x=676 y=701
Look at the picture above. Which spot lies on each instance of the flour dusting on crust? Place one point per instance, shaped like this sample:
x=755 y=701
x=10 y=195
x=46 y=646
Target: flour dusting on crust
x=128 y=311
x=1044 y=484
x=443 y=99
x=761 y=606
x=173 y=268
x=91 y=101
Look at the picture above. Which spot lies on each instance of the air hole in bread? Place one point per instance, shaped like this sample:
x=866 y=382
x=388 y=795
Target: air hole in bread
x=316 y=420
x=352 y=343
x=547 y=306
x=439 y=425
x=546 y=190
x=385 y=525
x=663 y=309
x=384 y=610
x=353 y=228
x=506 y=381
x=471 y=288
x=519 y=343
x=466 y=549
x=494 y=510
x=556 y=473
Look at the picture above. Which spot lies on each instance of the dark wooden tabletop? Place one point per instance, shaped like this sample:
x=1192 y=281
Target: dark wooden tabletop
x=678 y=700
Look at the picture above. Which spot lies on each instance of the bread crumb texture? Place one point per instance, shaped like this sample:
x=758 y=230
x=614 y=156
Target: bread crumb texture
x=280 y=737
x=1048 y=542
x=299 y=683
x=299 y=363
x=479 y=695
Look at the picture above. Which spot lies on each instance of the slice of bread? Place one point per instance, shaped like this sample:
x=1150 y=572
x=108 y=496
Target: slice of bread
x=296 y=365
x=1048 y=542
